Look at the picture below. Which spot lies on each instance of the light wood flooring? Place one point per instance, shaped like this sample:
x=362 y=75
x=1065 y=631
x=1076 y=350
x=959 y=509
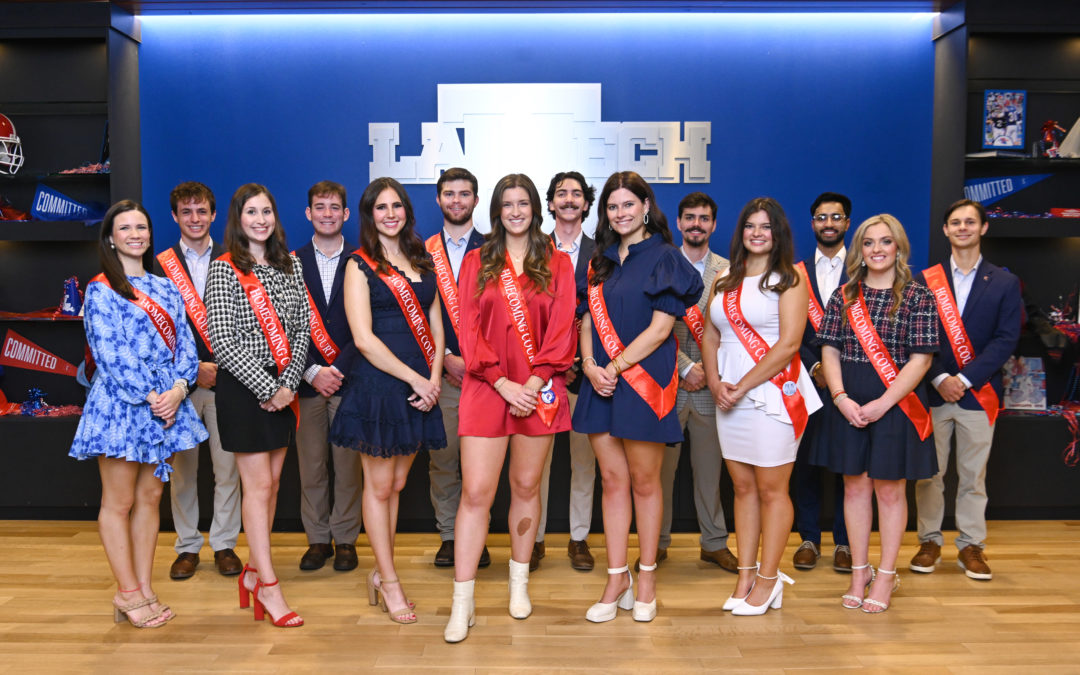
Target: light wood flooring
x=55 y=616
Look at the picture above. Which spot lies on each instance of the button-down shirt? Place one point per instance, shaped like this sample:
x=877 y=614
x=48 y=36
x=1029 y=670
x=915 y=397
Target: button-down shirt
x=573 y=249
x=327 y=265
x=198 y=264
x=828 y=272
x=962 y=282
x=455 y=249
x=700 y=267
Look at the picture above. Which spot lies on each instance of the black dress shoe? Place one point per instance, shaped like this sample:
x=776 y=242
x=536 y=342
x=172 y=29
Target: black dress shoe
x=445 y=556
x=316 y=556
x=485 y=558
x=538 y=552
x=228 y=563
x=345 y=557
x=184 y=566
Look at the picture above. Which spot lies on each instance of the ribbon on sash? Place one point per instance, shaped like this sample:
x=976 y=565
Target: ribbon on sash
x=962 y=349
x=695 y=321
x=193 y=304
x=859 y=317
x=269 y=322
x=518 y=313
x=787 y=379
x=402 y=291
x=660 y=400
x=444 y=279
x=158 y=316
x=814 y=312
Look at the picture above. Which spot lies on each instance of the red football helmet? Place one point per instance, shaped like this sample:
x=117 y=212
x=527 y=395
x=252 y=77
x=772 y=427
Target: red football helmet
x=11 y=157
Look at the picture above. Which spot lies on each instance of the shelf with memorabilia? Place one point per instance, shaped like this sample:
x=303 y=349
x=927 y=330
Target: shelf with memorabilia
x=1033 y=228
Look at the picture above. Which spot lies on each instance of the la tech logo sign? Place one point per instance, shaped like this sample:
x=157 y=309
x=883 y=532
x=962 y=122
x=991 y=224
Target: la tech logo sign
x=539 y=130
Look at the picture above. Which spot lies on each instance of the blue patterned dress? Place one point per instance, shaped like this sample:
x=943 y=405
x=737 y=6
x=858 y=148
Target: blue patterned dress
x=132 y=359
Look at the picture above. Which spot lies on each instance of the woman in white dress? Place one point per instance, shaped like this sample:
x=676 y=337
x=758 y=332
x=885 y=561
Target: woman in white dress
x=763 y=394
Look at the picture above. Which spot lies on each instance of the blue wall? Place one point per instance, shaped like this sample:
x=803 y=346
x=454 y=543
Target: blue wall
x=799 y=103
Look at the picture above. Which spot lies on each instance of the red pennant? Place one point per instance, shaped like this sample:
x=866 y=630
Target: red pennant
x=19 y=352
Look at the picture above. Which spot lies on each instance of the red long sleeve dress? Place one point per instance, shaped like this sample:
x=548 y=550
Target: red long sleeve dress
x=491 y=349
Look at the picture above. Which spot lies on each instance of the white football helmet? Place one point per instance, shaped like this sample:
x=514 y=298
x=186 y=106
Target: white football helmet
x=11 y=157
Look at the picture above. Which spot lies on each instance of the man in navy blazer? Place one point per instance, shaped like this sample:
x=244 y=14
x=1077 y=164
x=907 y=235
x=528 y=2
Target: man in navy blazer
x=967 y=389
x=456 y=195
x=186 y=264
x=830 y=218
x=323 y=259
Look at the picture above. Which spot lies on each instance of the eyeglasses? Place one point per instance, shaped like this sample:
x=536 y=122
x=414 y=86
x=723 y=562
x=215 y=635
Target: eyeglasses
x=836 y=217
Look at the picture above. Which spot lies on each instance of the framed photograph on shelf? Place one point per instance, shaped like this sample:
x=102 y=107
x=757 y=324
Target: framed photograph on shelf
x=1024 y=383
x=1004 y=114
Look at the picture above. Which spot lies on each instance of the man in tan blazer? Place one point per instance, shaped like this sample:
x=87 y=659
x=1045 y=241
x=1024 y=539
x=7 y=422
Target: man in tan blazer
x=697 y=410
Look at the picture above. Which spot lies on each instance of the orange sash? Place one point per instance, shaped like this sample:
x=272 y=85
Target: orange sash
x=859 y=317
x=410 y=306
x=518 y=313
x=787 y=379
x=158 y=316
x=961 y=345
x=815 y=313
x=320 y=337
x=660 y=400
x=695 y=321
x=193 y=304
x=444 y=278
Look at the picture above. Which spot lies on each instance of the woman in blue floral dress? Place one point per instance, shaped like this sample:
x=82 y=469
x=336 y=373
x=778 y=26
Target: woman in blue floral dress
x=137 y=414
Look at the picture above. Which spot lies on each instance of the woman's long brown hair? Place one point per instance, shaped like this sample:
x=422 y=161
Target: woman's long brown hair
x=537 y=265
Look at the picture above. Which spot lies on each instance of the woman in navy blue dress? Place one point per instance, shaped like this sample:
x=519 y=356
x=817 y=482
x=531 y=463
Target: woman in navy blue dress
x=137 y=414
x=390 y=403
x=877 y=436
x=639 y=284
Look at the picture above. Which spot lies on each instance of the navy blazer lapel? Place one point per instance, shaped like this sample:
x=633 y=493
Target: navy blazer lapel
x=983 y=279
x=339 y=275
x=588 y=248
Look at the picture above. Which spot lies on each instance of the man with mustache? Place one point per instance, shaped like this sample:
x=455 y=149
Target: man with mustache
x=830 y=217
x=456 y=195
x=697 y=409
x=569 y=198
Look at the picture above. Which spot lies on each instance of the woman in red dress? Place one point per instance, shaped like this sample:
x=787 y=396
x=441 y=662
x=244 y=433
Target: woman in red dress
x=518 y=298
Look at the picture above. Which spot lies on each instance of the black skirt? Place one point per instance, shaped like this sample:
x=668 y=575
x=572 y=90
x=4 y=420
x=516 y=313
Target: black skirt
x=243 y=425
x=888 y=449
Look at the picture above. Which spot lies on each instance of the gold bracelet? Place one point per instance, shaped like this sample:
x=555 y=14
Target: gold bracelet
x=498 y=382
x=586 y=360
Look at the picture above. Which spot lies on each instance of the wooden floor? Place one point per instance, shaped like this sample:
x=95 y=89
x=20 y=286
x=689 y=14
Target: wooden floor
x=55 y=616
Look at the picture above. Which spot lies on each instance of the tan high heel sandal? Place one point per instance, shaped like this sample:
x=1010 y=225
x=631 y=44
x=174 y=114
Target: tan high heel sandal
x=398 y=615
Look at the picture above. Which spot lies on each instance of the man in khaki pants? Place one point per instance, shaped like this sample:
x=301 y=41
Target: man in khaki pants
x=979 y=309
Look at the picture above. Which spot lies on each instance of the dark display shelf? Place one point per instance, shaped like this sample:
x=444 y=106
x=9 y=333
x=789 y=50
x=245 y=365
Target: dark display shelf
x=1033 y=227
x=49 y=230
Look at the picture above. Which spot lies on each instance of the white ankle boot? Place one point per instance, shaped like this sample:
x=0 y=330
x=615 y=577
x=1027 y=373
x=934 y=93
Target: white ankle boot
x=606 y=611
x=520 y=605
x=462 y=612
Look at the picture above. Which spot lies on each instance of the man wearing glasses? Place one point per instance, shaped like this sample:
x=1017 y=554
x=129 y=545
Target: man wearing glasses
x=830 y=218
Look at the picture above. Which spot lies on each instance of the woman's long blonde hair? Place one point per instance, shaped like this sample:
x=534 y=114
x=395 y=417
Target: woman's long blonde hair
x=856 y=265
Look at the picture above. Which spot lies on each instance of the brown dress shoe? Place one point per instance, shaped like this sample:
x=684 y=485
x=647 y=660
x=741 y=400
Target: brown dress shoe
x=228 y=563
x=806 y=556
x=723 y=558
x=184 y=566
x=485 y=558
x=661 y=556
x=445 y=556
x=841 y=559
x=580 y=557
x=345 y=557
x=973 y=562
x=926 y=560
x=316 y=556
x=538 y=552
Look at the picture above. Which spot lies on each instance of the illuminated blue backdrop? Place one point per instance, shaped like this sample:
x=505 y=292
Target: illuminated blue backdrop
x=799 y=103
